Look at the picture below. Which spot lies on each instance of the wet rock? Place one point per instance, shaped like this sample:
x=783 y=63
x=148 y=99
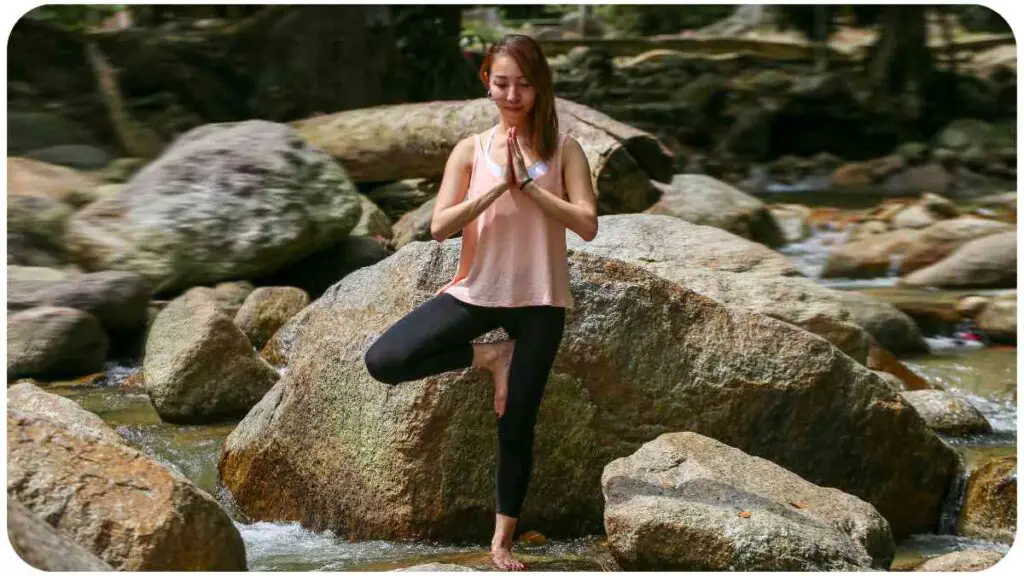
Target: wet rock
x=687 y=502
x=947 y=413
x=989 y=508
x=130 y=511
x=868 y=257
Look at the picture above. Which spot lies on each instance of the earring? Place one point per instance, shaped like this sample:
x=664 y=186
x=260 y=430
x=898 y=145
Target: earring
x=488 y=92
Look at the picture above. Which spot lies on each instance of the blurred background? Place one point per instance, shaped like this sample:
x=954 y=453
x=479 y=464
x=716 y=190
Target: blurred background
x=873 y=147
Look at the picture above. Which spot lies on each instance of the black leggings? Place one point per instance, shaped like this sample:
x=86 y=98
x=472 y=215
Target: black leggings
x=436 y=337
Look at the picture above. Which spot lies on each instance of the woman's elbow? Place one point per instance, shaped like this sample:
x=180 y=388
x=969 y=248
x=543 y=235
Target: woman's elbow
x=589 y=232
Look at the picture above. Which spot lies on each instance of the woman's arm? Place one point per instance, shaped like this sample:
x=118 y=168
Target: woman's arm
x=451 y=214
x=579 y=214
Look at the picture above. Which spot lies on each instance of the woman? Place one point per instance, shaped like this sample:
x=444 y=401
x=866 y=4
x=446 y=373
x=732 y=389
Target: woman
x=512 y=190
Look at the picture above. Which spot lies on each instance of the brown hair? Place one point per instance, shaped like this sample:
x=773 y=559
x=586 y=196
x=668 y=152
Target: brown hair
x=530 y=58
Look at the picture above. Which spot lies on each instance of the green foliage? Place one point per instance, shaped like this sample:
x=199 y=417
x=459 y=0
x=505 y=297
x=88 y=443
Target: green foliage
x=976 y=18
x=641 y=20
x=75 y=16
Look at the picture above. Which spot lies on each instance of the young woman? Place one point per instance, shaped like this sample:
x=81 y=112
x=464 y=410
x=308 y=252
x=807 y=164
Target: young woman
x=512 y=190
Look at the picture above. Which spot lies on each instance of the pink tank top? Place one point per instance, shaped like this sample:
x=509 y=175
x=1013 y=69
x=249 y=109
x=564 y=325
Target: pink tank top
x=513 y=253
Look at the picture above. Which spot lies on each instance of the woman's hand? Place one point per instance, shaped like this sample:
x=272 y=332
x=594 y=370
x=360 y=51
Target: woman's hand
x=514 y=158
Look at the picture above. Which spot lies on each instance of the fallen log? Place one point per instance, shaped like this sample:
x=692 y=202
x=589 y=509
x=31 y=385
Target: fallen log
x=397 y=142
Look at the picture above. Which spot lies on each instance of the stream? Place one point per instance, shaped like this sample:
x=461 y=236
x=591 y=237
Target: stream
x=986 y=377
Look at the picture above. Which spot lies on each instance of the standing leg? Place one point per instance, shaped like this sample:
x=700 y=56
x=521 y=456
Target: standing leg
x=433 y=338
x=537 y=332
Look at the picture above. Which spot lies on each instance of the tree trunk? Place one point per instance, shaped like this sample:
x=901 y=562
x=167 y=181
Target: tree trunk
x=901 y=58
x=388 y=143
x=821 y=34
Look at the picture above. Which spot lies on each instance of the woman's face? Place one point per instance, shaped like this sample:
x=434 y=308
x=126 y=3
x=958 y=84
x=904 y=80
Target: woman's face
x=510 y=89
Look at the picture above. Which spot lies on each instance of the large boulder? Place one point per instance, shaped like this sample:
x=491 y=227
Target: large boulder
x=414 y=226
x=745 y=275
x=199 y=367
x=43 y=547
x=987 y=262
x=687 y=502
x=224 y=201
x=989 y=508
x=126 y=508
x=50 y=342
x=942 y=238
x=701 y=199
x=118 y=299
x=640 y=355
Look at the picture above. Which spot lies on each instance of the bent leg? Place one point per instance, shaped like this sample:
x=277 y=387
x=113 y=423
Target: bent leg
x=538 y=333
x=433 y=338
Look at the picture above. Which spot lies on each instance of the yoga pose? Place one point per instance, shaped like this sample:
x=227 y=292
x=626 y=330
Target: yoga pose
x=512 y=190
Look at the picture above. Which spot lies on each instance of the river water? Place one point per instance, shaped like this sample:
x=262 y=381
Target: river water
x=986 y=377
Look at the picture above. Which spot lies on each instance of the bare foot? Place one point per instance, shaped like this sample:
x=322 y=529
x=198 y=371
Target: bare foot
x=502 y=558
x=499 y=369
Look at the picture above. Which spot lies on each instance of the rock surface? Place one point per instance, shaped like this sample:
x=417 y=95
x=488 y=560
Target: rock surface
x=989 y=508
x=687 y=502
x=961 y=561
x=941 y=239
x=119 y=300
x=113 y=500
x=43 y=547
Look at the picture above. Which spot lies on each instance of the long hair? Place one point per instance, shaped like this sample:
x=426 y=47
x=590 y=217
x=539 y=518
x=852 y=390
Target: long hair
x=530 y=58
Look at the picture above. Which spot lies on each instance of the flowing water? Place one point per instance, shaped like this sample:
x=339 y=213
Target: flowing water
x=986 y=377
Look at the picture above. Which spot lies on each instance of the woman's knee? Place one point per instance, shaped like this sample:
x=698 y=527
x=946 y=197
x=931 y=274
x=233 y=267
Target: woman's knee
x=381 y=365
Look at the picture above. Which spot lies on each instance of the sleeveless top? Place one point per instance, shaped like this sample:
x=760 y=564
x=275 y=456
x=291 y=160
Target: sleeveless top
x=513 y=253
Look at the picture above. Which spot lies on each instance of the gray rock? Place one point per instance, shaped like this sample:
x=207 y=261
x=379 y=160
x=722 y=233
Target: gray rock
x=118 y=299
x=687 y=502
x=947 y=413
x=43 y=547
x=224 y=201
x=199 y=367
x=50 y=342
x=641 y=355
x=701 y=199
x=942 y=238
x=414 y=226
